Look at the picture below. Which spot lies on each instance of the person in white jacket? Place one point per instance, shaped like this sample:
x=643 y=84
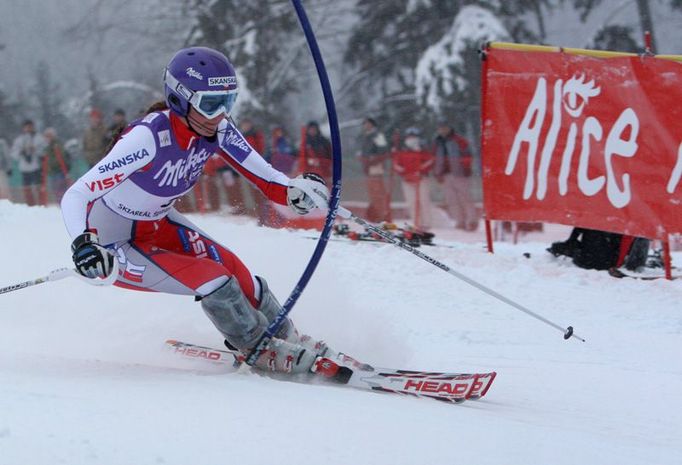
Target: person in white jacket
x=28 y=150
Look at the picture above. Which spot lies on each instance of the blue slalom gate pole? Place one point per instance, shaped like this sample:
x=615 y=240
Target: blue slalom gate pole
x=335 y=194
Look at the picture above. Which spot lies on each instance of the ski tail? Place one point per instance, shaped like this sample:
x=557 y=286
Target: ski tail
x=194 y=351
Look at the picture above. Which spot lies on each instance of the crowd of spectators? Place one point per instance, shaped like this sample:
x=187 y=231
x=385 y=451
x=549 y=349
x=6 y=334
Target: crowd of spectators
x=417 y=160
x=36 y=167
x=40 y=168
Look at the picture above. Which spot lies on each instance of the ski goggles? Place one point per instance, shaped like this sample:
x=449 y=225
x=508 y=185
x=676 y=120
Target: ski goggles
x=208 y=103
x=212 y=103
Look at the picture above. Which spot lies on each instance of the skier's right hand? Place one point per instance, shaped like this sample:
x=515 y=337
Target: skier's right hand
x=306 y=192
x=91 y=259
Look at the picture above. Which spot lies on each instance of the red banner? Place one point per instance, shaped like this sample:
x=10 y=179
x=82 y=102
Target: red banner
x=584 y=141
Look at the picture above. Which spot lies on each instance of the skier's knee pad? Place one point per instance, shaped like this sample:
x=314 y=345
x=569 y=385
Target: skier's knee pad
x=234 y=316
x=270 y=307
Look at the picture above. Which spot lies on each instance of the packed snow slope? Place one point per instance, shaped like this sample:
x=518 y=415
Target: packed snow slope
x=85 y=377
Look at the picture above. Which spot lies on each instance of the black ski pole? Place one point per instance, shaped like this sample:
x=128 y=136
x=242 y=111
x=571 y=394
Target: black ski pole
x=347 y=214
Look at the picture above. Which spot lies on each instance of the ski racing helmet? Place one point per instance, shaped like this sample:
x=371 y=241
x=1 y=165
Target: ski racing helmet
x=203 y=78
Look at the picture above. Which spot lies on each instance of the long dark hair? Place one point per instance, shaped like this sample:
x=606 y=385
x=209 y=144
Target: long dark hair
x=159 y=105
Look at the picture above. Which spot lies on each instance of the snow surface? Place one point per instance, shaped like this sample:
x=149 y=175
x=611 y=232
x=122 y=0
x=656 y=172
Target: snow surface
x=85 y=378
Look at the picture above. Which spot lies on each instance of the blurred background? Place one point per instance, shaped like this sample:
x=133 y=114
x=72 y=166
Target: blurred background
x=409 y=65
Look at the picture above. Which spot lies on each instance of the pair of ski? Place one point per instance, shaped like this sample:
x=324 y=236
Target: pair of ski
x=409 y=235
x=618 y=273
x=345 y=370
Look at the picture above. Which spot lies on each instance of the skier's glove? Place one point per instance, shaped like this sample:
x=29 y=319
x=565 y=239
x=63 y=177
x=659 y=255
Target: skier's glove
x=91 y=259
x=307 y=191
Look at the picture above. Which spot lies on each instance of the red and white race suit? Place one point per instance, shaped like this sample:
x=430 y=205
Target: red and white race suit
x=127 y=198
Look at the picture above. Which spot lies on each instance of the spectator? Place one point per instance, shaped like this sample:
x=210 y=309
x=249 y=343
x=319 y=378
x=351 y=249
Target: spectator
x=374 y=151
x=453 y=170
x=316 y=153
x=27 y=150
x=282 y=156
x=117 y=126
x=94 y=139
x=413 y=164
x=5 y=170
x=56 y=166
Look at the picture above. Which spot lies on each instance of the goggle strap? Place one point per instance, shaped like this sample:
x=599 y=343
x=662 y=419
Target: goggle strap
x=177 y=86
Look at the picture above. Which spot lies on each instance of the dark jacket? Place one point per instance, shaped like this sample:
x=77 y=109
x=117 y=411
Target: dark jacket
x=374 y=152
x=452 y=156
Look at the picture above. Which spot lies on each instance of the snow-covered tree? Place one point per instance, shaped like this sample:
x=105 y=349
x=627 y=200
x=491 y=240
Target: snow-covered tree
x=448 y=75
x=386 y=42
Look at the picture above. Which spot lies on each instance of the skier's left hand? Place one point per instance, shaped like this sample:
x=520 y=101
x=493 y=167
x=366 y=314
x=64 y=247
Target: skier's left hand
x=307 y=191
x=91 y=259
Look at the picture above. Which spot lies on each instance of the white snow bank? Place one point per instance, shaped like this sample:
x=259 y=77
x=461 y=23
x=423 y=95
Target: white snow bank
x=84 y=377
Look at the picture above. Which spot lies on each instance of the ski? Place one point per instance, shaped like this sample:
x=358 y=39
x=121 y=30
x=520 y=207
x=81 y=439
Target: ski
x=618 y=273
x=408 y=235
x=222 y=356
x=345 y=370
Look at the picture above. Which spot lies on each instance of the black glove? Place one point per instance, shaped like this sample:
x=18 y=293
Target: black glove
x=91 y=259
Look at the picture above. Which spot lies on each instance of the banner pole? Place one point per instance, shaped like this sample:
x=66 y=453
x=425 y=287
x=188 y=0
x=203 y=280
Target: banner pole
x=484 y=89
x=667 y=260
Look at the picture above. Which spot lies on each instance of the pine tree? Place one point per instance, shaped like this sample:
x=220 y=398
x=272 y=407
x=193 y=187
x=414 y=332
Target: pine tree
x=615 y=38
x=449 y=73
x=585 y=7
x=390 y=37
x=513 y=12
x=9 y=118
x=384 y=49
x=49 y=102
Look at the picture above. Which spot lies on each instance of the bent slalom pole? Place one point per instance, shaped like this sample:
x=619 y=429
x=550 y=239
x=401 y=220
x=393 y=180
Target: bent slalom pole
x=347 y=214
x=61 y=273
x=335 y=194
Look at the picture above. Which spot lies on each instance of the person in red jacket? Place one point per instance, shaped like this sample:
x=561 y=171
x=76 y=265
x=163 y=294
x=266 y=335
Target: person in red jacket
x=453 y=169
x=413 y=164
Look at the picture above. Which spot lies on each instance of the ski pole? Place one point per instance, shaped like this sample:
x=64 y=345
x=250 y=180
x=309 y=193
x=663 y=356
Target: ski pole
x=335 y=194
x=61 y=273
x=347 y=214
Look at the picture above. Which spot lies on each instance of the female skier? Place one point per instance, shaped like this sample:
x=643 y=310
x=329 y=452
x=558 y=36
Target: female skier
x=122 y=209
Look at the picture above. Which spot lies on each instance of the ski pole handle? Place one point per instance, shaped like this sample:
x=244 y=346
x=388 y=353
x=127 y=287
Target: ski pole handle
x=61 y=273
x=347 y=214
